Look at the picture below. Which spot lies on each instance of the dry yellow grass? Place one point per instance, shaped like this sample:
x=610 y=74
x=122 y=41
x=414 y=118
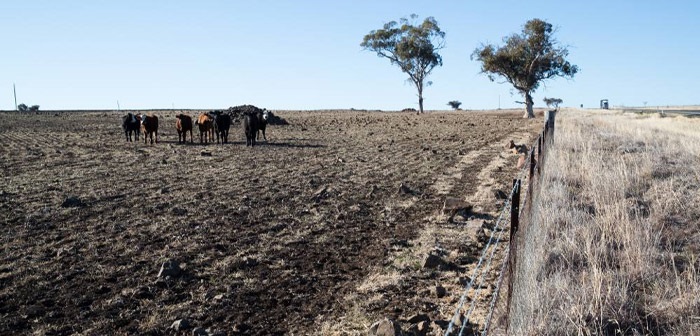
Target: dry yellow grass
x=614 y=244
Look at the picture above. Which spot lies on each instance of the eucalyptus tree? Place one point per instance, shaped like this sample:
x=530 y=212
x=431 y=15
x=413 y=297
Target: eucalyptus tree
x=526 y=60
x=412 y=47
x=455 y=104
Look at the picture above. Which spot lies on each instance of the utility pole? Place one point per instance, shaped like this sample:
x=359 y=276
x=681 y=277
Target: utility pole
x=15 y=91
x=499 y=101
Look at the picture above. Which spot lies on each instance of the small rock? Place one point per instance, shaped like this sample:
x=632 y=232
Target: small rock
x=385 y=327
x=164 y=190
x=72 y=202
x=180 y=325
x=179 y=211
x=440 y=291
x=170 y=268
x=423 y=327
x=199 y=331
x=205 y=153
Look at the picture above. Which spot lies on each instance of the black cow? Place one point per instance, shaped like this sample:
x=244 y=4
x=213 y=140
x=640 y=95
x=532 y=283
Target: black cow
x=250 y=126
x=263 y=117
x=222 y=122
x=131 y=123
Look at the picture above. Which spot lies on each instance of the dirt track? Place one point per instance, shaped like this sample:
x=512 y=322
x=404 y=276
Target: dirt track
x=278 y=239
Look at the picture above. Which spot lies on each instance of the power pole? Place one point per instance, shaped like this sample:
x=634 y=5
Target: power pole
x=15 y=91
x=499 y=101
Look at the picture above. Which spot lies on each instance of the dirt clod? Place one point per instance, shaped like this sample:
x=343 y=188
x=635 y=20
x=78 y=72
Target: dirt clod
x=179 y=211
x=170 y=268
x=440 y=291
x=180 y=325
x=433 y=261
x=73 y=202
x=385 y=327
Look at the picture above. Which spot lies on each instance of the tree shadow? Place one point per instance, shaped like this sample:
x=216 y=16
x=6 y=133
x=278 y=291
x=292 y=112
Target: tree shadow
x=241 y=143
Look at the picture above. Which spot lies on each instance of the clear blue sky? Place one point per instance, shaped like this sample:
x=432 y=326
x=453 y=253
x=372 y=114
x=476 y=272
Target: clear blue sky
x=306 y=54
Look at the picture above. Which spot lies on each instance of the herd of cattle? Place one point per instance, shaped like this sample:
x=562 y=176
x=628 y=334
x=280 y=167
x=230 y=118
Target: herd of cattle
x=214 y=122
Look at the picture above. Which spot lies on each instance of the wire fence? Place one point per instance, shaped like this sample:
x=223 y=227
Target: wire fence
x=519 y=210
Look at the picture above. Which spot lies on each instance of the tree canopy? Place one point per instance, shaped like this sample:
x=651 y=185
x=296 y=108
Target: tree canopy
x=527 y=59
x=553 y=102
x=454 y=104
x=412 y=47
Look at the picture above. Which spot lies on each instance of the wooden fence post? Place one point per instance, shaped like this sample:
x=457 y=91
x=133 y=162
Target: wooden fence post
x=514 y=224
x=515 y=209
x=532 y=166
x=540 y=155
x=549 y=118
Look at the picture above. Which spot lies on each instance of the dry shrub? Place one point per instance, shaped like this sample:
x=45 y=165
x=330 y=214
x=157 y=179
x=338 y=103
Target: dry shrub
x=614 y=244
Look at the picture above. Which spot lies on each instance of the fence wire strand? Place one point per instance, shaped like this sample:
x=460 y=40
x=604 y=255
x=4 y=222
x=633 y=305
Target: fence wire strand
x=495 y=292
x=480 y=286
x=463 y=299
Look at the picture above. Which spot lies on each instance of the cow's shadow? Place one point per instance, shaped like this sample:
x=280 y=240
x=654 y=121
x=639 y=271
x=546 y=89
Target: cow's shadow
x=240 y=143
x=291 y=145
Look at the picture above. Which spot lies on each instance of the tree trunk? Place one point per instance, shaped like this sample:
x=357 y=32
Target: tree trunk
x=420 y=103
x=528 y=106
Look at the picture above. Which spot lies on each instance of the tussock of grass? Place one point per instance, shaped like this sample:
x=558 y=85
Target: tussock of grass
x=614 y=245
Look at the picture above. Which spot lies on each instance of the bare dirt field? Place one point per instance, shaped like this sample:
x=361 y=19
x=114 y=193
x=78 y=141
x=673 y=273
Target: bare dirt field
x=321 y=230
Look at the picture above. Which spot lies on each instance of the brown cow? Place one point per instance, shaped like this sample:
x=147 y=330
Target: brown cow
x=183 y=124
x=206 y=128
x=149 y=126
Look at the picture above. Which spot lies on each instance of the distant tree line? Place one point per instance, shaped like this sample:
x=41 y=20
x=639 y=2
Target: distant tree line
x=24 y=108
